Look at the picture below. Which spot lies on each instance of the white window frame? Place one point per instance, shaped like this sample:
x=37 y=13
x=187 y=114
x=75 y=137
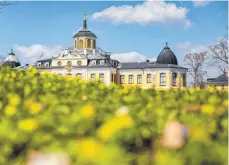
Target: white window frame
x=101 y=77
x=148 y=78
x=139 y=79
x=174 y=79
x=162 y=79
x=93 y=77
x=122 y=79
x=131 y=79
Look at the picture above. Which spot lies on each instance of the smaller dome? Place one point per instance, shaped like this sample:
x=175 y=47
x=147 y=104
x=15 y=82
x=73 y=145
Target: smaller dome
x=166 y=56
x=11 y=60
x=84 y=33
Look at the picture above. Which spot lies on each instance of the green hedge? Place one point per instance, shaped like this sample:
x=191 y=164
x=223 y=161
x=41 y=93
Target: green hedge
x=92 y=124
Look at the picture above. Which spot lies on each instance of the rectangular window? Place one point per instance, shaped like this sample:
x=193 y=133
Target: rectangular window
x=101 y=77
x=131 y=79
x=174 y=78
x=139 y=79
x=122 y=79
x=149 y=78
x=112 y=78
x=162 y=79
x=184 y=80
x=93 y=77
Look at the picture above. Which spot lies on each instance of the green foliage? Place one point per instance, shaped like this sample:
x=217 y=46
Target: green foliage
x=98 y=125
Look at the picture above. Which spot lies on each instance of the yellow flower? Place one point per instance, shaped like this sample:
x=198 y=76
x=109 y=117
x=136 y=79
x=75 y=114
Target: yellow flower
x=101 y=86
x=35 y=108
x=225 y=103
x=1 y=105
x=199 y=133
x=87 y=111
x=207 y=108
x=14 y=100
x=108 y=129
x=88 y=149
x=13 y=74
x=28 y=125
x=10 y=110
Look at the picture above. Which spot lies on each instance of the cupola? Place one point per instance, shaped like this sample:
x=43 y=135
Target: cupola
x=166 y=56
x=84 y=39
x=11 y=60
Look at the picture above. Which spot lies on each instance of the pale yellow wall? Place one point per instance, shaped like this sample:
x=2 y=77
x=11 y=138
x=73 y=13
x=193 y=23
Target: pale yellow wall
x=144 y=83
x=65 y=61
x=155 y=80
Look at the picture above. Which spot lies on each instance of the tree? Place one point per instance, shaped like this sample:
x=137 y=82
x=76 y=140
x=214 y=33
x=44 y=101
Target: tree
x=219 y=55
x=195 y=63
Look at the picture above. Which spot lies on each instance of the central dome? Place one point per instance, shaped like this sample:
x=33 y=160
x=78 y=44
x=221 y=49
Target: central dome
x=166 y=56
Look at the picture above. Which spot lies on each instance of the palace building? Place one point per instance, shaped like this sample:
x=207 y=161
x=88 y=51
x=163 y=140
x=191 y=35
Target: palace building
x=86 y=61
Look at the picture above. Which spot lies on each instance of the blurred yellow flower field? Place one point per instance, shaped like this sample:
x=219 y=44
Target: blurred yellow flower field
x=93 y=124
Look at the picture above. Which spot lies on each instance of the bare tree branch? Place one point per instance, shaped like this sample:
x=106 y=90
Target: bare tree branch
x=195 y=62
x=218 y=54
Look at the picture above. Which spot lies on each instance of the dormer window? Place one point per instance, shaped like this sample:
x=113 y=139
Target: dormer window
x=79 y=63
x=59 y=63
x=39 y=64
x=102 y=62
x=69 y=63
x=46 y=64
x=93 y=62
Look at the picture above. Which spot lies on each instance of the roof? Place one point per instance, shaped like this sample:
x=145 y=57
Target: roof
x=166 y=56
x=84 y=33
x=143 y=65
x=46 y=60
x=221 y=79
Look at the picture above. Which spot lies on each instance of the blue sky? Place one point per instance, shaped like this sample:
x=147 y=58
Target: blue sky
x=34 y=27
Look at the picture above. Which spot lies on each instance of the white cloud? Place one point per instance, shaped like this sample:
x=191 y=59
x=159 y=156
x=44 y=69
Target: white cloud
x=184 y=45
x=145 y=13
x=131 y=57
x=188 y=47
x=200 y=3
x=30 y=54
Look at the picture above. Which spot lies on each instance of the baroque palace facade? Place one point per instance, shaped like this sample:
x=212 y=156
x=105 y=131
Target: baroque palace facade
x=87 y=62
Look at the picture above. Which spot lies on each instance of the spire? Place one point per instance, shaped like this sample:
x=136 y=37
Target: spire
x=11 y=52
x=166 y=45
x=85 y=21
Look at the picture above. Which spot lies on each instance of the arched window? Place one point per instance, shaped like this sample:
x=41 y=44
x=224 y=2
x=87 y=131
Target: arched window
x=69 y=63
x=75 y=43
x=79 y=63
x=80 y=44
x=88 y=43
x=59 y=63
x=93 y=46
